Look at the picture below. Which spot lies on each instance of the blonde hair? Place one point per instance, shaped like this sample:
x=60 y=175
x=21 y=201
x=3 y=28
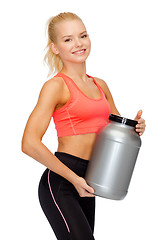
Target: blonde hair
x=54 y=61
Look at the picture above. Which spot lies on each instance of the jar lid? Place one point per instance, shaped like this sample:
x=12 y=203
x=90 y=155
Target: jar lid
x=123 y=120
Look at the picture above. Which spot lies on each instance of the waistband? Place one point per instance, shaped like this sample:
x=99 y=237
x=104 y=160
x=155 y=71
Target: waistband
x=77 y=164
x=67 y=155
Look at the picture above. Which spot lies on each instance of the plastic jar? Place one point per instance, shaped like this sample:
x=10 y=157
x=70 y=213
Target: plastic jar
x=113 y=158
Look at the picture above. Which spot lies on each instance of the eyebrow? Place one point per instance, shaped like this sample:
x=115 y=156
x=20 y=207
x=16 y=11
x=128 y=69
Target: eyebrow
x=71 y=35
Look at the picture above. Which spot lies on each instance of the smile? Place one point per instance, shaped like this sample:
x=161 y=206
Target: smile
x=79 y=52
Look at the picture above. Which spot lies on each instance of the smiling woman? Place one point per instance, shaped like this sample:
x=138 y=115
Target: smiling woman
x=80 y=106
x=66 y=32
x=75 y=43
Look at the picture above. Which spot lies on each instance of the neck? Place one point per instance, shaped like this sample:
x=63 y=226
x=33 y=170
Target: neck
x=77 y=71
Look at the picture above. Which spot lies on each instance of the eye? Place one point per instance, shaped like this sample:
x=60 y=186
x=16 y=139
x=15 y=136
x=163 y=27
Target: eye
x=67 y=40
x=84 y=36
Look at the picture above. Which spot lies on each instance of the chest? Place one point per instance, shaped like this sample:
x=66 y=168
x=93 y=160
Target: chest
x=89 y=89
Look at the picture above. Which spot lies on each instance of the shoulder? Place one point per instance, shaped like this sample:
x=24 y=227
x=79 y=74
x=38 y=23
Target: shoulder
x=102 y=84
x=55 y=83
x=53 y=86
x=52 y=89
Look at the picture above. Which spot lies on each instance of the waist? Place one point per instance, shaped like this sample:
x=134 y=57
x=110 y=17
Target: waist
x=76 y=164
x=78 y=145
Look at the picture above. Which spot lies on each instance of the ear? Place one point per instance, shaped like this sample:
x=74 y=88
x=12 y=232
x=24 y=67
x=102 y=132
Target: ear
x=54 y=48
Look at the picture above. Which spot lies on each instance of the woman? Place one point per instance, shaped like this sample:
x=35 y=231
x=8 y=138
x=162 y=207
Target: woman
x=80 y=106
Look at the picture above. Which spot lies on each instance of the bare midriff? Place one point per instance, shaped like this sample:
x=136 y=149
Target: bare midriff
x=77 y=145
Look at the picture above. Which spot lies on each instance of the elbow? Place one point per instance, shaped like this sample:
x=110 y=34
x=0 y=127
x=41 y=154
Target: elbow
x=27 y=145
x=24 y=146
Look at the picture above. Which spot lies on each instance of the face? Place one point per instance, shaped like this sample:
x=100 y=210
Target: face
x=73 y=43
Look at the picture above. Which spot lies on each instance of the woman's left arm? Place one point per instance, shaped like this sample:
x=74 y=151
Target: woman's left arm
x=140 y=127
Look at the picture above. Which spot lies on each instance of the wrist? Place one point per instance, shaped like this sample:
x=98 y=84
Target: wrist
x=73 y=178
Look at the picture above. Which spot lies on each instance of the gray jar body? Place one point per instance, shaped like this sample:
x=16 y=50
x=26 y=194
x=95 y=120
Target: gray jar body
x=113 y=160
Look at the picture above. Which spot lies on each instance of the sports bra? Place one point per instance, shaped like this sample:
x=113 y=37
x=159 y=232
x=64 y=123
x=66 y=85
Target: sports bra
x=81 y=114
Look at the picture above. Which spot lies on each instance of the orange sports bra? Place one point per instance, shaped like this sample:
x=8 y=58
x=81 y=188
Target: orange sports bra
x=81 y=114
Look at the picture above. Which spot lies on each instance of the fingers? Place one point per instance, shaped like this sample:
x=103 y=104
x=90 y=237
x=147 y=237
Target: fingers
x=83 y=188
x=89 y=191
x=85 y=193
x=138 y=116
x=140 y=127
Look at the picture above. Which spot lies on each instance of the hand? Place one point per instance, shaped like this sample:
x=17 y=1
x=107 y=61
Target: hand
x=140 y=127
x=83 y=188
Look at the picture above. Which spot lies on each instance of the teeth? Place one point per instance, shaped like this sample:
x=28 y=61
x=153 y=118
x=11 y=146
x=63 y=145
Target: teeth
x=79 y=51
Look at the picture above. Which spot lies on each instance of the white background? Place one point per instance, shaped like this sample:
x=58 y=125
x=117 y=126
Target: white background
x=128 y=53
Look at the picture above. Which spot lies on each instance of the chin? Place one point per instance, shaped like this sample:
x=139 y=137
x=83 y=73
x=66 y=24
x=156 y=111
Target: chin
x=80 y=59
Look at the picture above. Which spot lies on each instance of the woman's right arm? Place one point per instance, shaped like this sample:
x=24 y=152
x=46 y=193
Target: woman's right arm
x=37 y=124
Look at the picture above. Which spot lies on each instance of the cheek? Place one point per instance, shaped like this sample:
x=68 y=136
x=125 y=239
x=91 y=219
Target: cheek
x=63 y=49
x=89 y=44
x=89 y=41
x=69 y=46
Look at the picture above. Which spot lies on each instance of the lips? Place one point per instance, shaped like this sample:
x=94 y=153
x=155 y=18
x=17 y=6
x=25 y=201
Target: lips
x=79 y=52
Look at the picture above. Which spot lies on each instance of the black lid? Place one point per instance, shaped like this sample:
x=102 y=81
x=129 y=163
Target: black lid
x=123 y=120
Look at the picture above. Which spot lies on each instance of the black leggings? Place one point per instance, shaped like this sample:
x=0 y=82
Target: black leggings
x=70 y=216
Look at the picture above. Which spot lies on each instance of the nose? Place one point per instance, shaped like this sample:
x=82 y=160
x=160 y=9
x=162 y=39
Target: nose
x=78 y=42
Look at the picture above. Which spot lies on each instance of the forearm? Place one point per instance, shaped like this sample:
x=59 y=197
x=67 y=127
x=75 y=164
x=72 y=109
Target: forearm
x=38 y=151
